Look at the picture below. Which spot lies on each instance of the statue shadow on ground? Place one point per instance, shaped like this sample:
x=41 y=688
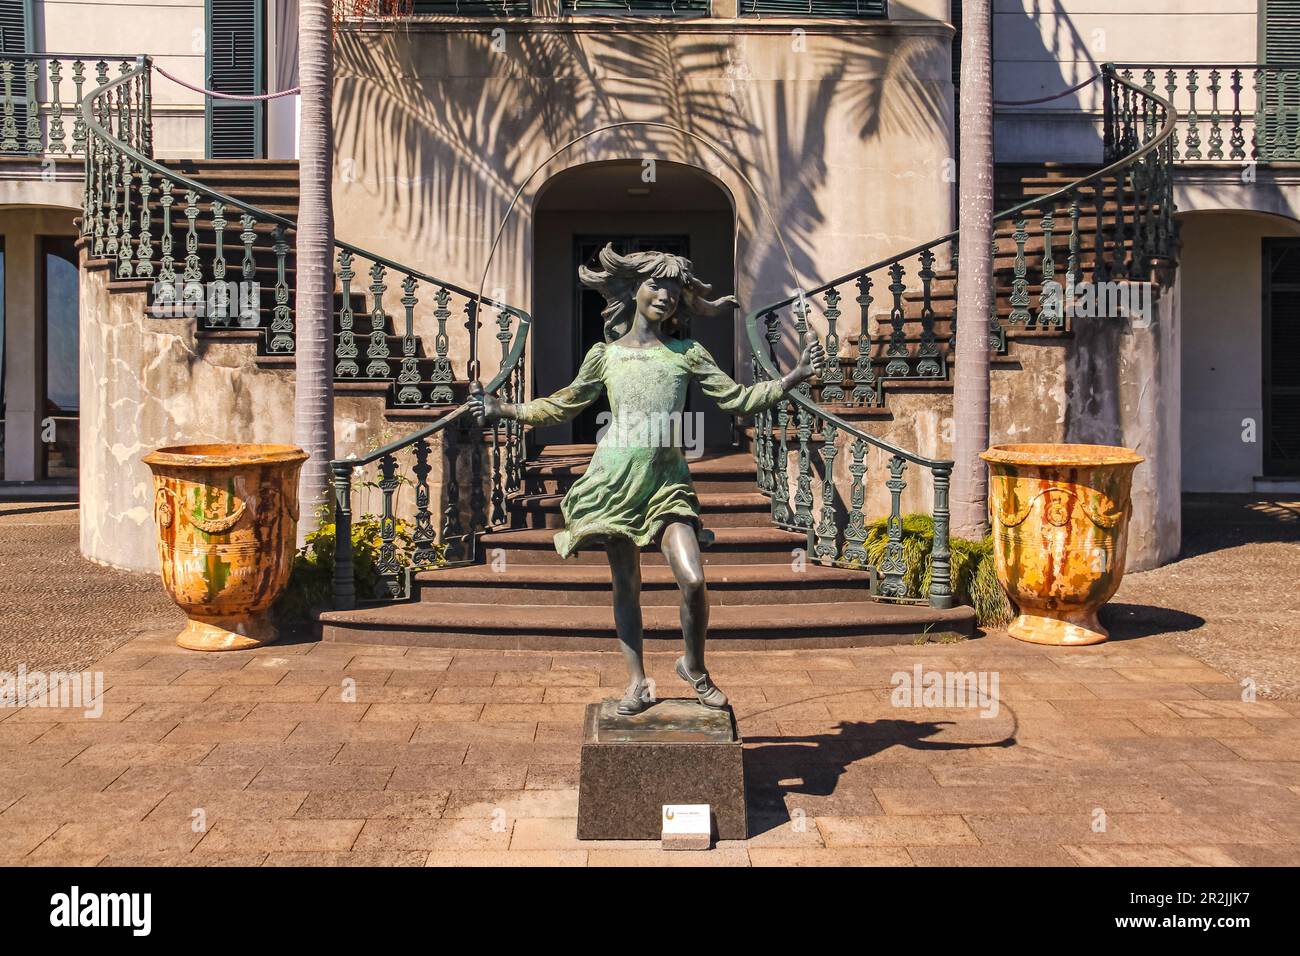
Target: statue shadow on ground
x=1126 y=622
x=813 y=766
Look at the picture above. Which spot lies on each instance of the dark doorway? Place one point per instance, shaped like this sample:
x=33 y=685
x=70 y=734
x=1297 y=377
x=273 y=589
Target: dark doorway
x=588 y=323
x=1281 y=359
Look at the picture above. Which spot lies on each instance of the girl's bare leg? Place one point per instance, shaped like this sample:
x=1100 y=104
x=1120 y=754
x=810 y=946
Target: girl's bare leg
x=682 y=549
x=625 y=570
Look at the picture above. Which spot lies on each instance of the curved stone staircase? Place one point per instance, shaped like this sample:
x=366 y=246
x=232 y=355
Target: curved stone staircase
x=779 y=574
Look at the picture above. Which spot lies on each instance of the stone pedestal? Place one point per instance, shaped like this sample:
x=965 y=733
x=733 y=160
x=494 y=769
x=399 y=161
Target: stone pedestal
x=676 y=752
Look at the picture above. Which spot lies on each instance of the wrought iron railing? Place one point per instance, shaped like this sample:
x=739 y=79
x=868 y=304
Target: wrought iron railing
x=39 y=98
x=125 y=189
x=1227 y=112
x=1112 y=225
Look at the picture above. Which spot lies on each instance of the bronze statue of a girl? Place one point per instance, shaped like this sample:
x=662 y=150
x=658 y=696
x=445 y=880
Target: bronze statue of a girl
x=638 y=489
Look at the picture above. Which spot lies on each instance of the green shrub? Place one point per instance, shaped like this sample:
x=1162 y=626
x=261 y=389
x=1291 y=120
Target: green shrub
x=311 y=582
x=974 y=572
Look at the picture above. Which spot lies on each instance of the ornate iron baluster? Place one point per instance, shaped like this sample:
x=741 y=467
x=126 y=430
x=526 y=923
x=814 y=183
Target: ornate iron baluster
x=220 y=312
x=1072 y=264
x=408 y=379
x=124 y=267
x=1099 y=270
x=144 y=250
x=346 y=351
x=1237 y=138
x=281 y=318
x=386 y=565
x=110 y=242
x=78 y=122
x=855 y=533
x=866 y=387
x=451 y=526
x=345 y=598
x=249 y=307
x=940 y=553
x=927 y=365
x=898 y=353
x=422 y=538
x=9 y=126
x=192 y=278
x=1171 y=88
x=781 y=479
x=1020 y=283
x=167 y=268
x=1216 y=132
x=57 y=135
x=441 y=376
x=32 y=133
x=1049 y=300
x=803 y=496
x=827 y=529
x=762 y=424
x=1193 y=119
x=832 y=374
x=997 y=331
x=893 y=567
x=377 y=350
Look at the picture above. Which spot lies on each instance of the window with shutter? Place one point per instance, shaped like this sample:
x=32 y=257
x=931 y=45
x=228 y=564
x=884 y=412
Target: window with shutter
x=473 y=8
x=235 y=64
x=16 y=37
x=637 y=8
x=857 y=9
x=1279 y=95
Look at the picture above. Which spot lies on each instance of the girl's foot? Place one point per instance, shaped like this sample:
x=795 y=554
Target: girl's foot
x=705 y=689
x=636 y=698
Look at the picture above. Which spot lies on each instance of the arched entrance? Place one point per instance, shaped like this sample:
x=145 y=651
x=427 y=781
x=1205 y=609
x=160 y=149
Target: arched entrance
x=683 y=211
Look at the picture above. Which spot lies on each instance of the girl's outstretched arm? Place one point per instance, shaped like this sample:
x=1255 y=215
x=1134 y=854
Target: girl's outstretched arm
x=553 y=409
x=739 y=399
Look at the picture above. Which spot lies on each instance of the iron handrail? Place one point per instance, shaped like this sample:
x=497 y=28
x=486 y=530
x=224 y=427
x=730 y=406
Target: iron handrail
x=261 y=215
x=1166 y=132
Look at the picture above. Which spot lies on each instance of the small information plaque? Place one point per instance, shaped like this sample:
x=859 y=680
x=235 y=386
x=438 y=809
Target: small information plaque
x=687 y=826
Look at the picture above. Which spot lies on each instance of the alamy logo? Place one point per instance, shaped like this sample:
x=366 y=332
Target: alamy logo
x=683 y=430
x=23 y=688
x=918 y=688
x=1101 y=300
x=74 y=908
x=221 y=303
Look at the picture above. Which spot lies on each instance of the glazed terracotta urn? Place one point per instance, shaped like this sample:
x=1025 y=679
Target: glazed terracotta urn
x=227 y=517
x=1060 y=527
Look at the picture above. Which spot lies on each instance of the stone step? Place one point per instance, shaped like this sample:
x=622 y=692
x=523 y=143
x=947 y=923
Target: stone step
x=757 y=544
x=588 y=585
x=574 y=627
x=719 y=509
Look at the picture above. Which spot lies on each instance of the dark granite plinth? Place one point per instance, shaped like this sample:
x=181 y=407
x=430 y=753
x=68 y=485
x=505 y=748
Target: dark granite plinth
x=677 y=751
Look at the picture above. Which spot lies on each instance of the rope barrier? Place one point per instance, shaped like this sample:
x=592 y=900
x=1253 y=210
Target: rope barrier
x=225 y=96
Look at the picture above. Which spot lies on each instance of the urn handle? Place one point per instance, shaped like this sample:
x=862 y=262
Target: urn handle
x=219 y=525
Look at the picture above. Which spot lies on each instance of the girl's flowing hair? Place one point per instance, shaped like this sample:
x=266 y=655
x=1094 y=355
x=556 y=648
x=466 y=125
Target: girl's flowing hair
x=623 y=275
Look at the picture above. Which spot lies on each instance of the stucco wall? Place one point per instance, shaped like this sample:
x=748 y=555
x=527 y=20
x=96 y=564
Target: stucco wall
x=1041 y=49
x=843 y=130
x=149 y=382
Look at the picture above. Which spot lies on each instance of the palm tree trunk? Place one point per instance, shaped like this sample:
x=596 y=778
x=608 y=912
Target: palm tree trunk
x=974 y=276
x=313 y=412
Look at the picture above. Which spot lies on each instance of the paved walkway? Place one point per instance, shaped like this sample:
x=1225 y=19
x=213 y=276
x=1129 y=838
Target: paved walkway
x=1125 y=753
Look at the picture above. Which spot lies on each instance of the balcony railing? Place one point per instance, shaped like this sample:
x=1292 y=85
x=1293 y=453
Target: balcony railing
x=1227 y=112
x=40 y=93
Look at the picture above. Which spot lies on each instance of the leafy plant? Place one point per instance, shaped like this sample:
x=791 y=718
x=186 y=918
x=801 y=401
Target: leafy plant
x=974 y=571
x=311 y=581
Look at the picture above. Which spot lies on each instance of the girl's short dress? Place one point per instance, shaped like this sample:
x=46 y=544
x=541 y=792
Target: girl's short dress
x=638 y=480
